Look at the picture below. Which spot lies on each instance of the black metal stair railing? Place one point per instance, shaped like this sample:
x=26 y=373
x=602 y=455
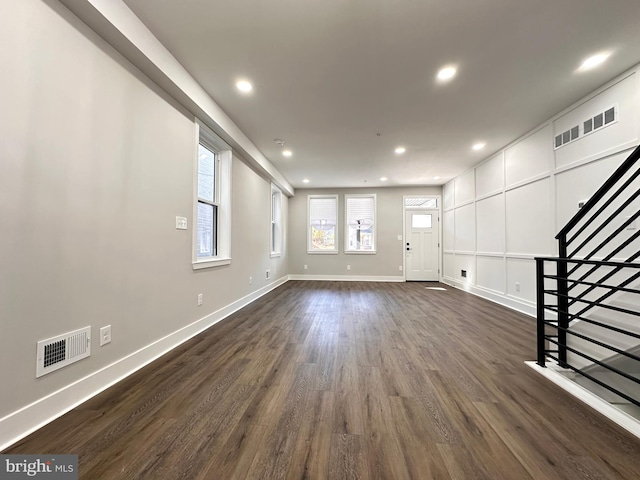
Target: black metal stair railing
x=598 y=263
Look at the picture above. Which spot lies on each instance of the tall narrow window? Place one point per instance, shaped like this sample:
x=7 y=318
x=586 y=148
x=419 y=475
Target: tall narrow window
x=360 y=217
x=207 y=224
x=212 y=205
x=322 y=224
x=276 y=221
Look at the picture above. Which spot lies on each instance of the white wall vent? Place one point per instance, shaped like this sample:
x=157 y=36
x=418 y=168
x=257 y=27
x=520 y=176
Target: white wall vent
x=57 y=352
x=590 y=125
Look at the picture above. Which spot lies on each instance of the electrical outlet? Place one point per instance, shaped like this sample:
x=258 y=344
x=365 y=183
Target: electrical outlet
x=463 y=273
x=517 y=286
x=305 y=267
x=400 y=268
x=348 y=267
x=268 y=274
x=200 y=299
x=105 y=335
x=250 y=280
x=400 y=237
x=181 y=223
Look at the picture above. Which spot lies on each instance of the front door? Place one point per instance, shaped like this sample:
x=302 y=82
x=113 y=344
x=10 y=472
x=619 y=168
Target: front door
x=421 y=239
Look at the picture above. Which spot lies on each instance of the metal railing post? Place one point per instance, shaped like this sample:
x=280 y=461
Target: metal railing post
x=563 y=301
x=540 y=310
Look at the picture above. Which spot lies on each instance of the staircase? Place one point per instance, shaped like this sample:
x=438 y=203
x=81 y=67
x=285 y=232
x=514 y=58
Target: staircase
x=588 y=298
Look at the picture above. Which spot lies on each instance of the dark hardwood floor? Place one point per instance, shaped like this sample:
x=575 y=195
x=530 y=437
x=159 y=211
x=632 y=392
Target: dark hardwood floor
x=345 y=381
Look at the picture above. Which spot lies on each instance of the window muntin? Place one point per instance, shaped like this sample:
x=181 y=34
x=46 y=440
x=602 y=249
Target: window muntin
x=360 y=218
x=322 y=234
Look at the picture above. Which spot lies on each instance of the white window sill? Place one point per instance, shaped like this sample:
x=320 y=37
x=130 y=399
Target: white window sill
x=218 y=262
x=358 y=252
x=275 y=254
x=322 y=252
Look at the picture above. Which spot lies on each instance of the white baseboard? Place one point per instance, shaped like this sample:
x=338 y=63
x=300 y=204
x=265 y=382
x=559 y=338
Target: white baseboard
x=348 y=278
x=30 y=418
x=522 y=306
x=626 y=421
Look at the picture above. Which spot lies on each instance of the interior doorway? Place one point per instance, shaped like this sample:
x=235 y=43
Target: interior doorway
x=421 y=239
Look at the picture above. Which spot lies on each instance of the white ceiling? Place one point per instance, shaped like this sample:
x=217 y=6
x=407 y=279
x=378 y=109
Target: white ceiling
x=329 y=75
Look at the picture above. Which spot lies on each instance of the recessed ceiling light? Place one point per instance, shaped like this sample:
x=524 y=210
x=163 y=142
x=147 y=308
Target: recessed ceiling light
x=383 y=179
x=436 y=178
x=287 y=153
x=593 y=61
x=447 y=73
x=244 y=86
x=479 y=146
x=400 y=150
x=305 y=180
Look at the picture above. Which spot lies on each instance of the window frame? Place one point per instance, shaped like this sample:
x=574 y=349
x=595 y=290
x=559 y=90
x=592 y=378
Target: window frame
x=222 y=199
x=275 y=235
x=310 y=250
x=347 y=249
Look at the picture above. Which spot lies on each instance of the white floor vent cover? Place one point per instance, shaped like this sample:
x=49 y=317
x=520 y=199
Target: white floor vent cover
x=60 y=351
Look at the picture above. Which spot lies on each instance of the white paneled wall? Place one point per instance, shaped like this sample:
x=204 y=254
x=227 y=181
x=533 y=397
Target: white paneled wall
x=529 y=158
x=491 y=273
x=490 y=176
x=490 y=224
x=447 y=196
x=530 y=219
x=464 y=229
x=576 y=185
x=521 y=279
x=448 y=261
x=506 y=211
x=464 y=189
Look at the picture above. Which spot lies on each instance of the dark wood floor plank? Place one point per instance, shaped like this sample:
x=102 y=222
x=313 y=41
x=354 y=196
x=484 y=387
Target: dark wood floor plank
x=383 y=451
x=415 y=437
x=236 y=456
x=463 y=465
x=348 y=411
x=345 y=380
x=480 y=440
x=272 y=461
x=312 y=450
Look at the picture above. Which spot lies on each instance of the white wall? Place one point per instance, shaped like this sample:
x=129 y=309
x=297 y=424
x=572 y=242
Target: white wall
x=507 y=210
x=96 y=162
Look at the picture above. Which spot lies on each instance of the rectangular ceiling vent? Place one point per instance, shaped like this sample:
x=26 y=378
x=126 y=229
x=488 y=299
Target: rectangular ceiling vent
x=57 y=352
x=590 y=125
